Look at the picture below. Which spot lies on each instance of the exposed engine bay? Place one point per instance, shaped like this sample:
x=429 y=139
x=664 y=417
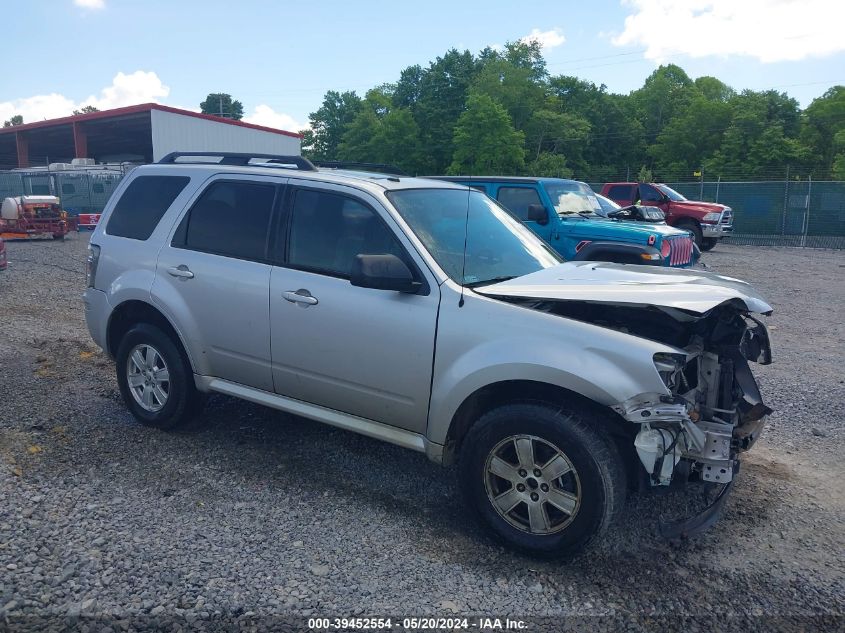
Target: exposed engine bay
x=715 y=410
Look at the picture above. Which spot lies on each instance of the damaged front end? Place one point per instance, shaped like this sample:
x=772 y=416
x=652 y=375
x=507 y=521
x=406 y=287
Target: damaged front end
x=714 y=411
x=710 y=409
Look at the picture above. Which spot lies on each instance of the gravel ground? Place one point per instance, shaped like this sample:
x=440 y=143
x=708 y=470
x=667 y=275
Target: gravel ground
x=260 y=517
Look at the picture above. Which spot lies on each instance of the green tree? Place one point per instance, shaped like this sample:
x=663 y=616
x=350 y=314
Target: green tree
x=553 y=132
x=838 y=167
x=616 y=137
x=548 y=165
x=329 y=123
x=383 y=133
x=408 y=88
x=694 y=135
x=222 y=104
x=511 y=86
x=823 y=124
x=526 y=56
x=664 y=92
x=486 y=141
x=761 y=137
x=86 y=110
x=443 y=90
x=645 y=175
x=15 y=119
x=714 y=90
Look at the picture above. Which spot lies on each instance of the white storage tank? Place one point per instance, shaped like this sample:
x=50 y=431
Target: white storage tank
x=10 y=209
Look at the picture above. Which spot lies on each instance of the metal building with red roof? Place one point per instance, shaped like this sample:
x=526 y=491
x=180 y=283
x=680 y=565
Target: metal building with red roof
x=139 y=133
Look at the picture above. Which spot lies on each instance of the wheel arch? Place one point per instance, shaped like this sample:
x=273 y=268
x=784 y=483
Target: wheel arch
x=688 y=220
x=504 y=392
x=134 y=311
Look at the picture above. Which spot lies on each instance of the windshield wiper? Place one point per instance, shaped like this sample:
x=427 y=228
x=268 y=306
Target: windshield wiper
x=487 y=282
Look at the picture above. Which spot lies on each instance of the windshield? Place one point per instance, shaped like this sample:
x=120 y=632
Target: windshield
x=673 y=195
x=572 y=197
x=607 y=205
x=497 y=245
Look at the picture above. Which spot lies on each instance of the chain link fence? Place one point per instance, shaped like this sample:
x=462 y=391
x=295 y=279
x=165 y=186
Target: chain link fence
x=776 y=213
x=80 y=191
x=766 y=213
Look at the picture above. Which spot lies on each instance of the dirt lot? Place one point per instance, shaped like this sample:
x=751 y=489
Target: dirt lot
x=258 y=517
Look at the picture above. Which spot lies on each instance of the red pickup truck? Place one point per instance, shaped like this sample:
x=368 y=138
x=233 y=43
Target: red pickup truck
x=708 y=221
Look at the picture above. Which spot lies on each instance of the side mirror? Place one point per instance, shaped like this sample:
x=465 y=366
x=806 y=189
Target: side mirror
x=537 y=213
x=383 y=272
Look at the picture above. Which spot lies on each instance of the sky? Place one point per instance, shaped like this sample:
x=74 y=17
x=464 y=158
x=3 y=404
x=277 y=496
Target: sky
x=279 y=57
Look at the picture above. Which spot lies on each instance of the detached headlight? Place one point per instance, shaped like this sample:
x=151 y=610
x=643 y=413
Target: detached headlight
x=668 y=366
x=712 y=217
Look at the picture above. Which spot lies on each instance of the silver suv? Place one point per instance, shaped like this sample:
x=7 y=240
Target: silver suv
x=422 y=313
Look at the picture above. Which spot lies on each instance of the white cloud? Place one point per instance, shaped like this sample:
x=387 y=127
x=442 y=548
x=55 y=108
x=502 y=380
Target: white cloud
x=139 y=87
x=265 y=115
x=547 y=39
x=768 y=30
x=90 y=4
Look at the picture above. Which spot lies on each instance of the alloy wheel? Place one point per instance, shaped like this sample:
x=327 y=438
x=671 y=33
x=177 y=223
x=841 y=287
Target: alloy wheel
x=148 y=377
x=532 y=484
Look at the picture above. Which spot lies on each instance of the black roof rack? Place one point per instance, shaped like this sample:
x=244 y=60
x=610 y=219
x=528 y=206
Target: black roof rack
x=237 y=158
x=351 y=164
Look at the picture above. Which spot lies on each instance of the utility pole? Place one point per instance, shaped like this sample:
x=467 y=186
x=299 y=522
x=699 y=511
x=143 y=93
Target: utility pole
x=220 y=97
x=701 y=192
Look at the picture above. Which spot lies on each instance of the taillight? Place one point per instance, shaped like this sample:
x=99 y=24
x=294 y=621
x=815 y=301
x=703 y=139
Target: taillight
x=581 y=245
x=665 y=248
x=92 y=261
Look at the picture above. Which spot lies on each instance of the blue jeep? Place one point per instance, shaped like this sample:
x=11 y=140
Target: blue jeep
x=567 y=215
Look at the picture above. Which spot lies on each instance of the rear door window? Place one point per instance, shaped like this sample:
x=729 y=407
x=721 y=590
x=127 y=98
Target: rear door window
x=620 y=192
x=143 y=204
x=517 y=200
x=230 y=218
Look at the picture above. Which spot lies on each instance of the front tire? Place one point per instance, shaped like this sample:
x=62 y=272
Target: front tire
x=697 y=235
x=708 y=243
x=155 y=379
x=541 y=477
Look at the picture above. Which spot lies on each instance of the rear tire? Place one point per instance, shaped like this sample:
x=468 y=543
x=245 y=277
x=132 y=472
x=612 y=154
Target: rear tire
x=566 y=490
x=155 y=379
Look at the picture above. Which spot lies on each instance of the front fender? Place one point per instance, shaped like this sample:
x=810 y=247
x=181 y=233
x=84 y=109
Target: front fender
x=489 y=341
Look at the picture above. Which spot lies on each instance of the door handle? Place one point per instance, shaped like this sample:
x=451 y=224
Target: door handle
x=301 y=296
x=180 y=271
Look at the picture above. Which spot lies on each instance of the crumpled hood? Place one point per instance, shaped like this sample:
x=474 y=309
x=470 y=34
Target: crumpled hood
x=604 y=282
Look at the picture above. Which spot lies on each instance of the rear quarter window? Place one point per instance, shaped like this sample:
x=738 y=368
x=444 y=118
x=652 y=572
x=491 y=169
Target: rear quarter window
x=143 y=204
